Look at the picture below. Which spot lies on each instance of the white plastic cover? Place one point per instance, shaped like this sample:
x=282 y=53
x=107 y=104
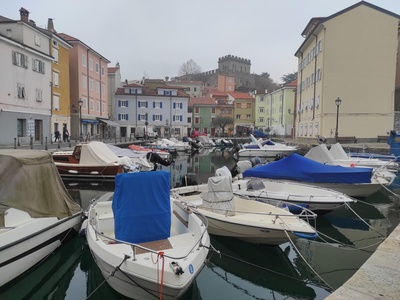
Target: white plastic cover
x=219 y=197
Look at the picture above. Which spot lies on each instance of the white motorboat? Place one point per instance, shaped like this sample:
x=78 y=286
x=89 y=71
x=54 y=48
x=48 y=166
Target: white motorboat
x=153 y=245
x=354 y=182
x=37 y=214
x=297 y=197
x=251 y=221
x=269 y=149
x=336 y=156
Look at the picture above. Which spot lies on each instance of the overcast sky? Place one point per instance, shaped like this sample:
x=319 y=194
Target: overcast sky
x=153 y=38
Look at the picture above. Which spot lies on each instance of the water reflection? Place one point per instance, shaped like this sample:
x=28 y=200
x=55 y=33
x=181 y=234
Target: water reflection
x=244 y=271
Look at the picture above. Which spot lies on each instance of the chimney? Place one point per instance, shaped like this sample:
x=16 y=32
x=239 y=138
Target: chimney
x=50 y=25
x=24 y=14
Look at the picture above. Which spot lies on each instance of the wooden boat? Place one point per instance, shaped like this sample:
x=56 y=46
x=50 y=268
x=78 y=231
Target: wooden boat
x=154 y=246
x=37 y=214
x=251 y=221
x=93 y=160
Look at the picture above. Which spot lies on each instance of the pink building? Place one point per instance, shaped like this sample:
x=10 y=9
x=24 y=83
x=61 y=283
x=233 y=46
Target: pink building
x=89 y=89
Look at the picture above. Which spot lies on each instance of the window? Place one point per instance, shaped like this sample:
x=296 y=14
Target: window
x=90 y=64
x=103 y=88
x=103 y=107
x=21 y=91
x=102 y=71
x=55 y=55
x=91 y=107
x=197 y=120
x=248 y=105
x=122 y=117
x=38 y=66
x=98 y=106
x=167 y=93
x=97 y=68
x=21 y=127
x=142 y=104
x=97 y=87
x=177 y=105
x=56 y=102
x=20 y=60
x=157 y=104
x=55 y=78
x=84 y=60
x=122 y=103
x=38 y=40
x=197 y=110
x=177 y=118
x=248 y=117
x=157 y=117
x=84 y=82
x=91 y=84
x=237 y=117
x=55 y=44
x=213 y=110
x=261 y=120
x=261 y=110
x=238 y=105
x=38 y=95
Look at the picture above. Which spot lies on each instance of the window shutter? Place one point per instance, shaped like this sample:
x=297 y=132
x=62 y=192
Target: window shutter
x=127 y=117
x=147 y=104
x=160 y=117
x=126 y=103
x=181 y=118
x=174 y=105
x=119 y=103
x=181 y=105
x=154 y=105
x=138 y=117
x=119 y=117
x=160 y=104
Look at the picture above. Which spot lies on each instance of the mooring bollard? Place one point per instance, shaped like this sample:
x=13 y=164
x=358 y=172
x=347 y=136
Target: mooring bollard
x=45 y=144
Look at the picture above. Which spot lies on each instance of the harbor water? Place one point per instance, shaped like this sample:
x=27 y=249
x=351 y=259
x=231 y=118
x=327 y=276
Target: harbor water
x=303 y=269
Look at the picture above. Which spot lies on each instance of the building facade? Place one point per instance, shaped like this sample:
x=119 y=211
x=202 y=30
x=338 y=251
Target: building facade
x=89 y=87
x=350 y=56
x=25 y=77
x=163 y=107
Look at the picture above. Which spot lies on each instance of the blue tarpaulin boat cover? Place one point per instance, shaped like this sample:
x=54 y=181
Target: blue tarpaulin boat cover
x=141 y=206
x=299 y=168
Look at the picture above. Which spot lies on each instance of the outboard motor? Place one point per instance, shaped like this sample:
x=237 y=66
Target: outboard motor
x=280 y=156
x=189 y=179
x=156 y=159
x=255 y=161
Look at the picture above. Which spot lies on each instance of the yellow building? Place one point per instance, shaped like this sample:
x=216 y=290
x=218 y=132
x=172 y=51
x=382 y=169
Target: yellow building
x=60 y=84
x=350 y=56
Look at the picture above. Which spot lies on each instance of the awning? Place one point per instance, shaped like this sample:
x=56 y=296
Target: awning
x=108 y=122
x=90 y=122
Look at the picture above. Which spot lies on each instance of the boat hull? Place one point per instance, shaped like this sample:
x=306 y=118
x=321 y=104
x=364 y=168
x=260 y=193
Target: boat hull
x=271 y=153
x=88 y=172
x=24 y=246
x=139 y=276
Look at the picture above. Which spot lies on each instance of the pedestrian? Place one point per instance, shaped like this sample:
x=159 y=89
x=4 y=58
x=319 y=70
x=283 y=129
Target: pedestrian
x=65 y=135
x=56 y=135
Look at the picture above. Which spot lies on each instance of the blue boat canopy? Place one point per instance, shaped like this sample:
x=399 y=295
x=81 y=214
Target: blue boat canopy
x=141 y=206
x=299 y=168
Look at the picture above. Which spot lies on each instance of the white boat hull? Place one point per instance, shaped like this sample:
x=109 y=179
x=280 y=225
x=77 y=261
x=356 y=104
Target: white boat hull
x=139 y=276
x=27 y=244
x=265 y=152
x=254 y=222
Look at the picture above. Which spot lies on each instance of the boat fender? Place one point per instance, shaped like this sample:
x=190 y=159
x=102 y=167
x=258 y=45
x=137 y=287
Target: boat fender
x=82 y=231
x=176 y=268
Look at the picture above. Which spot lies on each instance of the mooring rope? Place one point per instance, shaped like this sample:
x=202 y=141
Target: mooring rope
x=111 y=274
x=302 y=257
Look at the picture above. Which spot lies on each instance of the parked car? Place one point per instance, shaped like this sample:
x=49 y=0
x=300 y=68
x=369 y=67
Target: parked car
x=197 y=133
x=145 y=131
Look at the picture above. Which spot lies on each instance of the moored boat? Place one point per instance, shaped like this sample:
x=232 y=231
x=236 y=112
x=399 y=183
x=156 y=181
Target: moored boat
x=37 y=214
x=154 y=246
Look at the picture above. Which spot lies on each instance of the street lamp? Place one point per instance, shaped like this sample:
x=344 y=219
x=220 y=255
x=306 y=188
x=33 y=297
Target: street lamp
x=338 y=101
x=80 y=102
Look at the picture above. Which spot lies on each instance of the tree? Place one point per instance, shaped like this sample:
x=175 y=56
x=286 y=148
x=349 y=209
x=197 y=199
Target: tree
x=189 y=68
x=222 y=121
x=289 y=77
